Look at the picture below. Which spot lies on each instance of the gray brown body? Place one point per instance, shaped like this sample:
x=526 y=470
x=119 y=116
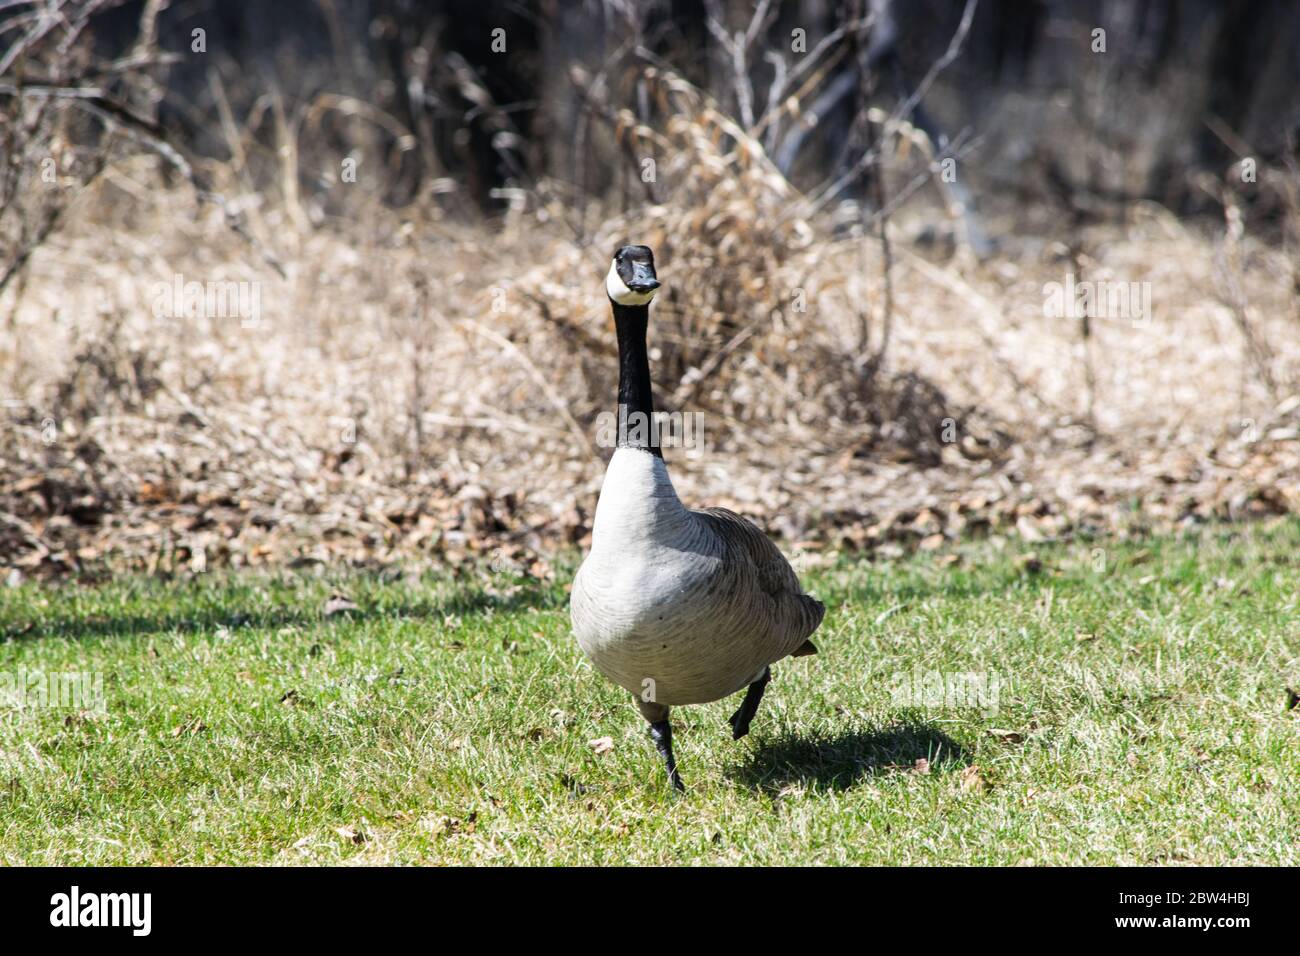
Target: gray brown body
x=680 y=606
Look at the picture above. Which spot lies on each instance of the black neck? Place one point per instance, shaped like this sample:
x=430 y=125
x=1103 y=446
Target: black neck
x=634 y=379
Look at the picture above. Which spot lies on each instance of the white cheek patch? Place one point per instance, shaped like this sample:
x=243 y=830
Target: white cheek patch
x=620 y=293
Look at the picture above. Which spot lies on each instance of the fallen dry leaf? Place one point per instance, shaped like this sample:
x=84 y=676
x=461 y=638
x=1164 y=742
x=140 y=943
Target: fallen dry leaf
x=451 y=825
x=972 y=780
x=351 y=834
x=339 y=604
x=1006 y=736
x=194 y=726
x=601 y=745
x=887 y=613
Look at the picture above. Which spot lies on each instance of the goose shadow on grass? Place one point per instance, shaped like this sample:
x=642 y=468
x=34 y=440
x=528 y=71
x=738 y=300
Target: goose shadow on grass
x=840 y=761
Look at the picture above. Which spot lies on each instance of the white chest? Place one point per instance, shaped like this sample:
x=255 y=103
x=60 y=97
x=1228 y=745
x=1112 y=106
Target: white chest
x=644 y=603
x=638 y=504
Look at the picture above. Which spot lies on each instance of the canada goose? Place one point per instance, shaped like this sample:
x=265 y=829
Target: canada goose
x=676 y=606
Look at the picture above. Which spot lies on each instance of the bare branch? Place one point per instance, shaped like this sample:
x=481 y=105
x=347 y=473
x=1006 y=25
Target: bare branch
x=903 y=110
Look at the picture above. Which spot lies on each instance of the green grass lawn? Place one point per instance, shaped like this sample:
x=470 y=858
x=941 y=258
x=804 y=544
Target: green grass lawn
x=1133 y=711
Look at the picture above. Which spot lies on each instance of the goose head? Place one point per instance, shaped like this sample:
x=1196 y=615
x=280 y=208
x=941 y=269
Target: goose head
x=631 y=279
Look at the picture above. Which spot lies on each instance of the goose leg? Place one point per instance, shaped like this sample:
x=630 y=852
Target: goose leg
x=749 y=706
x=661 y=732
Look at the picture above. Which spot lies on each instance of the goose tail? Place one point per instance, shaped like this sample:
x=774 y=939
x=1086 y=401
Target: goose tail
x=813 y=612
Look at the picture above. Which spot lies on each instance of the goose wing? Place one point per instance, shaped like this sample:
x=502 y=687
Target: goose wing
x=756 y=558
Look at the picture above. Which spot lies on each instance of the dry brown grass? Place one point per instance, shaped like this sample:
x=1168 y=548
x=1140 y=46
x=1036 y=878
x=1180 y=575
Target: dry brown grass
x=420 y=387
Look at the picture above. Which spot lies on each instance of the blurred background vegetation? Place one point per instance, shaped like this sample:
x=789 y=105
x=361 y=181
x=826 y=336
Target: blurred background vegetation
x=1183 y=87
x=856 y=208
